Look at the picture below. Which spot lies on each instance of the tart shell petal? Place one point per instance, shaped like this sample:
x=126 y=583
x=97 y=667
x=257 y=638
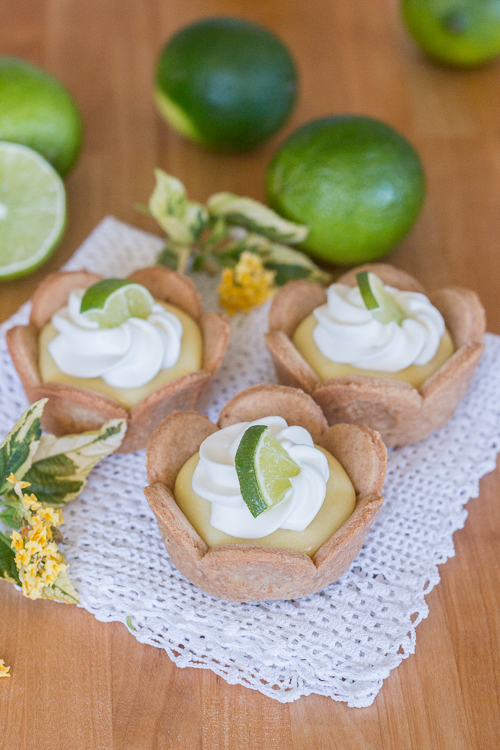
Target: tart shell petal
x=216 y=330
x=53 y=293
x=173 y=442
x=71 y=410
x=297 y=300
x=290 y=366
x=170 y=286
x=264 y=400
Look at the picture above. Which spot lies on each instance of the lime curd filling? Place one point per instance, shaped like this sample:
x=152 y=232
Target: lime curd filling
x=125 y=362
x=344 y=338
x=319 y=502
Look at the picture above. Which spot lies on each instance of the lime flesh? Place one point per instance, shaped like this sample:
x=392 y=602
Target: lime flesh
x=225 y=83
x=111 y=302
x=455 y=32
x=36 y=110
x=264 y=469
x=32 y=210
x=382 y=303
x=354 y=181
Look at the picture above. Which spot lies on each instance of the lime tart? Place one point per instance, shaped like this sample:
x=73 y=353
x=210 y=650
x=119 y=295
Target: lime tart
x=271 y=503
x=375 y=349
x=136 y=348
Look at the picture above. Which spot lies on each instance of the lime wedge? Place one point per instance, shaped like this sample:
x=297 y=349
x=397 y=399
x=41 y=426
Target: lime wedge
x=378 y=300
x=264 y=469
x=111 y=302
x=32 y=210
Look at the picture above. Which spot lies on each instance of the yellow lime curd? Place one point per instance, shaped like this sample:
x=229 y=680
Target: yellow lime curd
x=324 y=368
x=338 y=505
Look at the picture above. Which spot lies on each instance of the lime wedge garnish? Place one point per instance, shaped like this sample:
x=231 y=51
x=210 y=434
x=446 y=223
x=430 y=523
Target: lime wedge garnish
x=111 y=302
x=382 y=304
x=32 y=210
x=264 y=469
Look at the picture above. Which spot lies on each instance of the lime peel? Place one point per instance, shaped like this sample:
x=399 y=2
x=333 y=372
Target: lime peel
x=381 y=303
x=264 y=469
x=110 y=302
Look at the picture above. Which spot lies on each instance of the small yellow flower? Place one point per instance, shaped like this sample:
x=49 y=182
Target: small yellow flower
x=4 y=671
x=31 y=502
x=247 y=285
x=38 y=559
x=18 y=485
x=17 y=540
x=22 y=558
x=50 y=516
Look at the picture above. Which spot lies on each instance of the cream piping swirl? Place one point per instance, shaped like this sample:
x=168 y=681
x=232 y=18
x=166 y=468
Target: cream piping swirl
x=348 y=333
x=127 y=356
x=215 y=480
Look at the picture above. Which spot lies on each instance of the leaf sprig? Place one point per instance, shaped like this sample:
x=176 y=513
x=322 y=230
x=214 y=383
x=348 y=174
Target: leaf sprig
x=56 y=471
x=217 y=234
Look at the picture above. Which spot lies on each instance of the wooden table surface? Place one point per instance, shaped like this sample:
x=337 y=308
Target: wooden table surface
x=78 y=684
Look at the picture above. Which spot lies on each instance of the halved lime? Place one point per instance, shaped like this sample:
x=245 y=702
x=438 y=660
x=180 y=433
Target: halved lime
x=32 y=210
x=383 y=304
x=111 y=302
x=264 y=469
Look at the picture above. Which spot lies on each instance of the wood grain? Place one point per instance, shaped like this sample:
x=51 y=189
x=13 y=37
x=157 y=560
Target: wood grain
x=78 y=684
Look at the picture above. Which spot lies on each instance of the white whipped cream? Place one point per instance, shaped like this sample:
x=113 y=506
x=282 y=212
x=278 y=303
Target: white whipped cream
x=348 y=333
x=216 y=480
x=127 y=356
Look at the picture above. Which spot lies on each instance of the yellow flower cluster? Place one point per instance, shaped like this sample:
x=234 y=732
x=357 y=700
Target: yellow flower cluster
x=38 y=559
x=246 y=285
x=4 y=671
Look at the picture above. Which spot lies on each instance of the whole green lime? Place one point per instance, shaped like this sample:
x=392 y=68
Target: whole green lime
x=225 y=83
x=354 y=181
x=37 y=111
x=455 y=32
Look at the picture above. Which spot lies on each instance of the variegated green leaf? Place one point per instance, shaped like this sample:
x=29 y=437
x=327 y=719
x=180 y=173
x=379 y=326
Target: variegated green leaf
x=253 y=215
x=290 y=263
x=174 y=257
x=19 y=446
x=61 y=465
x=62 y=590
x=181 y=219
x=8 y=569
x=10 y=514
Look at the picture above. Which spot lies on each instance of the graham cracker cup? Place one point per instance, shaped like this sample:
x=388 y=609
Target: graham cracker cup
x=401 y=413
x=72 y=409
x=249 y=572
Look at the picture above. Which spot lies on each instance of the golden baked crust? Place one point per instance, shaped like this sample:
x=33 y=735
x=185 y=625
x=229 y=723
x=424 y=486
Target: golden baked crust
x=401 y=413
x=73 y=409
x=245 y=573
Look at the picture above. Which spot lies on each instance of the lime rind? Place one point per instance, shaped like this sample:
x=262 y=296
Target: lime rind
x=366 y=291
x=33 y=210
x=111 y=302
x=264 y=469
x=381 y=303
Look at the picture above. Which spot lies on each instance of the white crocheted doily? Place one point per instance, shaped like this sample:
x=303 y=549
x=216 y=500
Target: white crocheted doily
x=341 y=642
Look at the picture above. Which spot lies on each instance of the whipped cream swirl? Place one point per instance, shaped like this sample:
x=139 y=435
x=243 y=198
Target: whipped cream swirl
x=347 y=332
x=127 y=356
x=215 y=479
